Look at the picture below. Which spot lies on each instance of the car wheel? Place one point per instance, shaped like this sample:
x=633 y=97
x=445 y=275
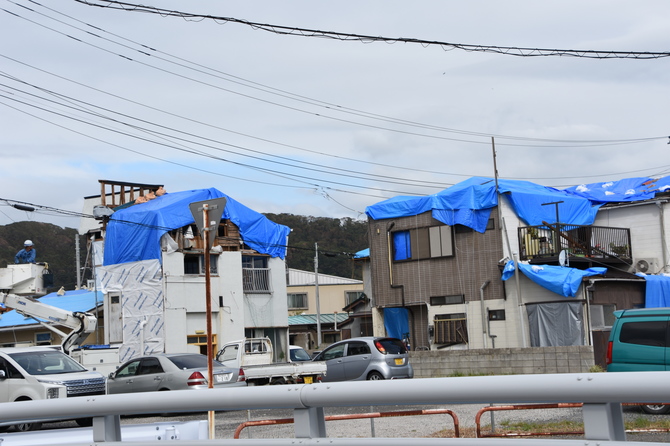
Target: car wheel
x=27 y=427
x=375 y=376
x=84 y=422
x=655 y=409
x=278 y=381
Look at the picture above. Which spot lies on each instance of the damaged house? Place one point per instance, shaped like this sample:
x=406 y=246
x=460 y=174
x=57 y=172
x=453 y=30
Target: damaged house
x=491 y=264
x=149 y=260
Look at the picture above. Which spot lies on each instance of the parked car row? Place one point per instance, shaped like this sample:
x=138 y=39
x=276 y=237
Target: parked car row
x=36 y=373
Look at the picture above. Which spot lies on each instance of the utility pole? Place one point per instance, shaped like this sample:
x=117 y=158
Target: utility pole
x=316 y=287
x=207 y=215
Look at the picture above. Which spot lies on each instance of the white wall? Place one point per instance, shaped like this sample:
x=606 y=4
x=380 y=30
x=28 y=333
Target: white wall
x=269 y=310
x=186 y=305
x=646 y=229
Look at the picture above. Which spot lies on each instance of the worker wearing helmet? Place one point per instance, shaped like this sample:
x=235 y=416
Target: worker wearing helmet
x=27 y=254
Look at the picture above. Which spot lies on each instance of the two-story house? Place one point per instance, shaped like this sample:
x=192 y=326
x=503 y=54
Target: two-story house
x=150 y=264
x=441 y=271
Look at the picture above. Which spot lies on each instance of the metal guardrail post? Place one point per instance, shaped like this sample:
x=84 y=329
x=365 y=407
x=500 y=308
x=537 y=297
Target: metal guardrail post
x=603 y=421
x=107 y=428
x=309 y=422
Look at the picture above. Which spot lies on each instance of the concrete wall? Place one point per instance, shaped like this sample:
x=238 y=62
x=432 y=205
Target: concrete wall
x=502 y=361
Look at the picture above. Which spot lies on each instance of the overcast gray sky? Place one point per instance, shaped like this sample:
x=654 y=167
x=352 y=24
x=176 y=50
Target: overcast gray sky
x=322 y=127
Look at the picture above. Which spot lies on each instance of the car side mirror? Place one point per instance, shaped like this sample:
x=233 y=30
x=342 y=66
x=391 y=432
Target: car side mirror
x=112 y=375
x=3 y=375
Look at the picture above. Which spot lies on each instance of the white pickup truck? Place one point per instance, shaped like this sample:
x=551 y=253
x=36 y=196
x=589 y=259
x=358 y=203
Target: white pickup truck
x=254 y=357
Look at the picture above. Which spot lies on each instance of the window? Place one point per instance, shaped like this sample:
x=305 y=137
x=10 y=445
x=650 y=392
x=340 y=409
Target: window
x=644 y=333
x=352 y=296
x=447 y=300
x=451 y=329
x=201 y=341
x=43 y=338
x=330 y=338
x=496 y=315
x=358 y=348
x=335 y=352
x=129 y=369
x=255 y=274
x=195 y=264
x=149 y=366
x=254 y=262
x=10 y=370
x=297 y=300
x=423 y=243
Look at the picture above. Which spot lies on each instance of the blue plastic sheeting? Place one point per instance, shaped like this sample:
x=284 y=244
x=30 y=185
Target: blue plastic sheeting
x=629 y=189
x=134 y=233
x=402 y=246
x=657 y=294
x=362 y=254
x=396 y=322
x=558 y=279
x=78 y=300
x=469 y=203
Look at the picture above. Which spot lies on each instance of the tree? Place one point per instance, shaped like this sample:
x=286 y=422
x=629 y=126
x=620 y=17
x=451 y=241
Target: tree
x=338 y=239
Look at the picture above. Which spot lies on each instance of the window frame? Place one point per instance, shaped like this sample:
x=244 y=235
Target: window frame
x=429 y=242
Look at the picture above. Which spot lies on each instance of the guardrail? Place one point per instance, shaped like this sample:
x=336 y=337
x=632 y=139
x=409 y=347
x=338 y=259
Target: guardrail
x=602 y=395
x=357 y=416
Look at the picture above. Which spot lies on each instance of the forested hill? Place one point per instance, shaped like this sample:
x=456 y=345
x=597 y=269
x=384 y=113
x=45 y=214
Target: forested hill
x=56 y=246
x=53 y=245
x=334 y=237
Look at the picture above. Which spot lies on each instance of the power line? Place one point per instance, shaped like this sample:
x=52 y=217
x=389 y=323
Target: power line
x=447 y=46
x=315 y=186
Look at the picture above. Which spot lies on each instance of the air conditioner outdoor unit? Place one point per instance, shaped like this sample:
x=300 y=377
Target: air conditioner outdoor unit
x=646 y=265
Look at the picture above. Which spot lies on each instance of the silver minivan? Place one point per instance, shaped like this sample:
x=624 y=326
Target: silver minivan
x=366 y=358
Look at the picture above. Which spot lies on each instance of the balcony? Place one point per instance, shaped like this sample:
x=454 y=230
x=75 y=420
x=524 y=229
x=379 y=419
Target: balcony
x=256 y=280
x=590 y=242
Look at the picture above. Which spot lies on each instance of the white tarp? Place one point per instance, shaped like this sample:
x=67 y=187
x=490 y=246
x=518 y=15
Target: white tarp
x=142 y=305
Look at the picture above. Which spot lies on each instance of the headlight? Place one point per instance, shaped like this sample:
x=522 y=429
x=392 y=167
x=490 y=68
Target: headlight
x=52 y=393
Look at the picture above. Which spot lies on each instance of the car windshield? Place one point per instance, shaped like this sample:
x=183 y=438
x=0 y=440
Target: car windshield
x=46 y=363
x=393 y=346
x=192 y=361
x=299 y=354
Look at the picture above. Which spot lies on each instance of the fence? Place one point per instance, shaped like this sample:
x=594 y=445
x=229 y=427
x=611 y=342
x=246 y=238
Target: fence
x=601 y=394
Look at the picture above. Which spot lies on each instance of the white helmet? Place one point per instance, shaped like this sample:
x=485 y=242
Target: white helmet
x=28 y=243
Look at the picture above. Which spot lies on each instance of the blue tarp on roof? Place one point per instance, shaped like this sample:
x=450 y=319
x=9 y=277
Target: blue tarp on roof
x=629 y=189
x=559 y=279
x=134 y=233
x=657 y=294
x=470 y=202
x=78 y=300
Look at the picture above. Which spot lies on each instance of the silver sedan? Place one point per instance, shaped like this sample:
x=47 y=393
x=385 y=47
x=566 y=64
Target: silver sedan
x=170 y=371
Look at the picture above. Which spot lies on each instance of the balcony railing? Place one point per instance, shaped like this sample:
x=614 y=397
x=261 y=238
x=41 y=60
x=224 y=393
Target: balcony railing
x=578 y=241
x=256 y=280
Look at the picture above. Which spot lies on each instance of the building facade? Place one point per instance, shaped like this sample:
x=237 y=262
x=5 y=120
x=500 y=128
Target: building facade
x=444 y=260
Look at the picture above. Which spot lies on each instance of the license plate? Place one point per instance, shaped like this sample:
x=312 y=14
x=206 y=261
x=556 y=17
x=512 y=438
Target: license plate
x=308 y=380
x=398 y=361
x=222 y=377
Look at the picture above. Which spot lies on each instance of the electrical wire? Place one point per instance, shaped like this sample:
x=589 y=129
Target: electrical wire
x=146 y=50
x=447 y=46
x=441 y=184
